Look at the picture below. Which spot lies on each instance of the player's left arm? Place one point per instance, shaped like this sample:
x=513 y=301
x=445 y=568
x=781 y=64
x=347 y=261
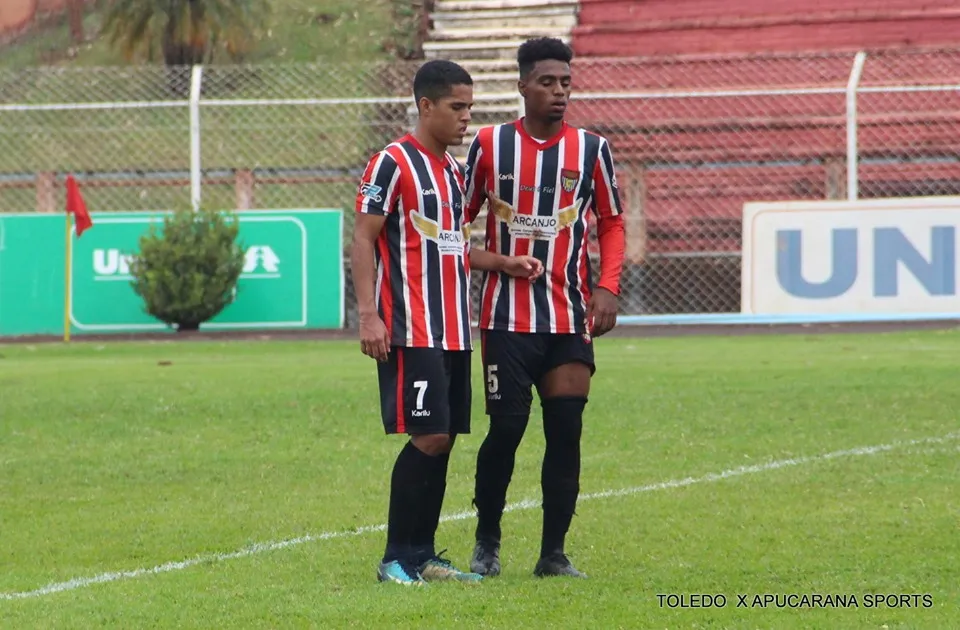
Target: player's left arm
x=602 y=309
x=474 y=179
x=517 y=266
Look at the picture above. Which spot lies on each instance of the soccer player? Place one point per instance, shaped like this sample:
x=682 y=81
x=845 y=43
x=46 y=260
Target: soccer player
x=540 y=177
x=411 y=264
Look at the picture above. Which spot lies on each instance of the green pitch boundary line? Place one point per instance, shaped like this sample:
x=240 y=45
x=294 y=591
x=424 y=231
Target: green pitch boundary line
x=527 y=504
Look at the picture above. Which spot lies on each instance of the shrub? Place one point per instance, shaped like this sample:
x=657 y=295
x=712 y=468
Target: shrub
x=187 y=272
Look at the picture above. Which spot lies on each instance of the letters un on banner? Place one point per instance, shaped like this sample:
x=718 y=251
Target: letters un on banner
x=882 y=256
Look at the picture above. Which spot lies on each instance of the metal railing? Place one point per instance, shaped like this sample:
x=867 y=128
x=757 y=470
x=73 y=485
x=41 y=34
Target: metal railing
x=693 y=138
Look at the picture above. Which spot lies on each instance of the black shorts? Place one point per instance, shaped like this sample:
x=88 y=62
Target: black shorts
x=515 y=362
x=425 y=390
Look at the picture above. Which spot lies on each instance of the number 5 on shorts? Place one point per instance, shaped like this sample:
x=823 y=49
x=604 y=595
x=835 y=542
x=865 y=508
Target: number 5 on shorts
x=421 y=387
x=492 y=383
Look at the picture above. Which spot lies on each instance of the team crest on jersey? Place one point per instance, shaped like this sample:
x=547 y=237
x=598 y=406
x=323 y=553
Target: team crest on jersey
x=449 y=242
x=537 y=227
x=569 y=179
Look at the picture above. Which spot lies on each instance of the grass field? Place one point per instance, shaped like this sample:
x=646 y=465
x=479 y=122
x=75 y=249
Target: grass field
x=794 y=465
x=297 y=30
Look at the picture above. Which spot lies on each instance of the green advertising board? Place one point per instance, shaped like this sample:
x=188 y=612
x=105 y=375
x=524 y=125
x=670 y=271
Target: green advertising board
x=292 y=276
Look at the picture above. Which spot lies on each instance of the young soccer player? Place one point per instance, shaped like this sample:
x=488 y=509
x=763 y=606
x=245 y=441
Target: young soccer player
x=411 y=265
x=540 y=177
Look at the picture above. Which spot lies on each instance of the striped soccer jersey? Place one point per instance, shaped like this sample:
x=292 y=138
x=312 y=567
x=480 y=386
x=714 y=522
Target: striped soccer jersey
x=423 y=269
x=544 y=190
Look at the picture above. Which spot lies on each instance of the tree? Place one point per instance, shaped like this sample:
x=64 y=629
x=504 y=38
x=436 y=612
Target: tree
x=184 y=32
x=188 y=272
x=75 y=17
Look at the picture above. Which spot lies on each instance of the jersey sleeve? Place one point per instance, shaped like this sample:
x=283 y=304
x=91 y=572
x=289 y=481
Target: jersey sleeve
x=475 y=179
x=379 y=186
x=606 y=193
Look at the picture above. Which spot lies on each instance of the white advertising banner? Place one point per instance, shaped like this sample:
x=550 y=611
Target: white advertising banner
x=882 y=256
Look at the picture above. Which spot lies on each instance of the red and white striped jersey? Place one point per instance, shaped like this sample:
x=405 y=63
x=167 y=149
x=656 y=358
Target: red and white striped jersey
x=423 y=269
x=545 y=189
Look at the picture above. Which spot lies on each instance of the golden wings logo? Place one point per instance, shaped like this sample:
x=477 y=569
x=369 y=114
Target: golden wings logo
x=537 y=227
x=450 y=242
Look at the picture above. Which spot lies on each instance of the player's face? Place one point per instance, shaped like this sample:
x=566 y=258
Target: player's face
x=546 y=90
x=449 y=116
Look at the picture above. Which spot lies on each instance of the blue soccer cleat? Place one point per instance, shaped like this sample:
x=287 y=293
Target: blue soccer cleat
x=399 y=573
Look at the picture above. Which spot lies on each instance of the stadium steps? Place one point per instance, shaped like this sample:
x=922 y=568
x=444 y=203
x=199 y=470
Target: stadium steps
x=479 y=34
x=468 y=48
x=445 y=6
x=483 y=66
x=483 y=36
x=550 y=17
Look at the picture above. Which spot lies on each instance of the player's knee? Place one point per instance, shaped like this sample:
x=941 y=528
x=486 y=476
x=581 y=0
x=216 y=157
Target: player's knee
x=567 y=380
x=433 y=444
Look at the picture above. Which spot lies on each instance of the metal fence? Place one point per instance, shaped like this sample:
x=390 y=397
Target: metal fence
x=693 y=138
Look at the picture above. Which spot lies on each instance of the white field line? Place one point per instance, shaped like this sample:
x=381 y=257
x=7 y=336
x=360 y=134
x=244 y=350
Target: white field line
x=82 y=582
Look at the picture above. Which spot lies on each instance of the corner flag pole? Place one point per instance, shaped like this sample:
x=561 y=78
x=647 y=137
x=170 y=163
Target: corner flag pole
x=82 y=221
x=68 y=265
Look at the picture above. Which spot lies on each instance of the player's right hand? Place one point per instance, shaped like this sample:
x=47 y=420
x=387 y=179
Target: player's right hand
x=523 y=267
x=374 y=341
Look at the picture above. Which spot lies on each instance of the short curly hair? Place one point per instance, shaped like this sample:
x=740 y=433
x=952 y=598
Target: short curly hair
x=541 y=49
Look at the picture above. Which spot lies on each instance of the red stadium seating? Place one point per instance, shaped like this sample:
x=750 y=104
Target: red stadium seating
x=702 y=157
x=668 y=27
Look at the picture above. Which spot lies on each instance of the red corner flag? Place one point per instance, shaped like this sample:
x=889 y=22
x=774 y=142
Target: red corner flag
x=76 y=206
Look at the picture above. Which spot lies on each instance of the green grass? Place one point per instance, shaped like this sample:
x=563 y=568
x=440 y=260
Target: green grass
x=112 y=461
x=297 y=31
x=315 y=49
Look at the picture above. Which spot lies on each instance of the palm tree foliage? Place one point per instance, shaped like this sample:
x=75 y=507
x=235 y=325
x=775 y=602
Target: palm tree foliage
x=184 y=32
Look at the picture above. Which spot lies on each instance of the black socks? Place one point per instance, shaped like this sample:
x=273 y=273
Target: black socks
x=435 y=487
x=419 y=482
x=560 y=475
x=417 y=488
x=495 y=461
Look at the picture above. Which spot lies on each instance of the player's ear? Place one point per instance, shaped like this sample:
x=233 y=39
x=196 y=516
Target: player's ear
x=522 y=88
x=424 y=105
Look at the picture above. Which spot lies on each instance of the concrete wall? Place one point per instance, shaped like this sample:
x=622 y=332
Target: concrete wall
x=17 y=16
